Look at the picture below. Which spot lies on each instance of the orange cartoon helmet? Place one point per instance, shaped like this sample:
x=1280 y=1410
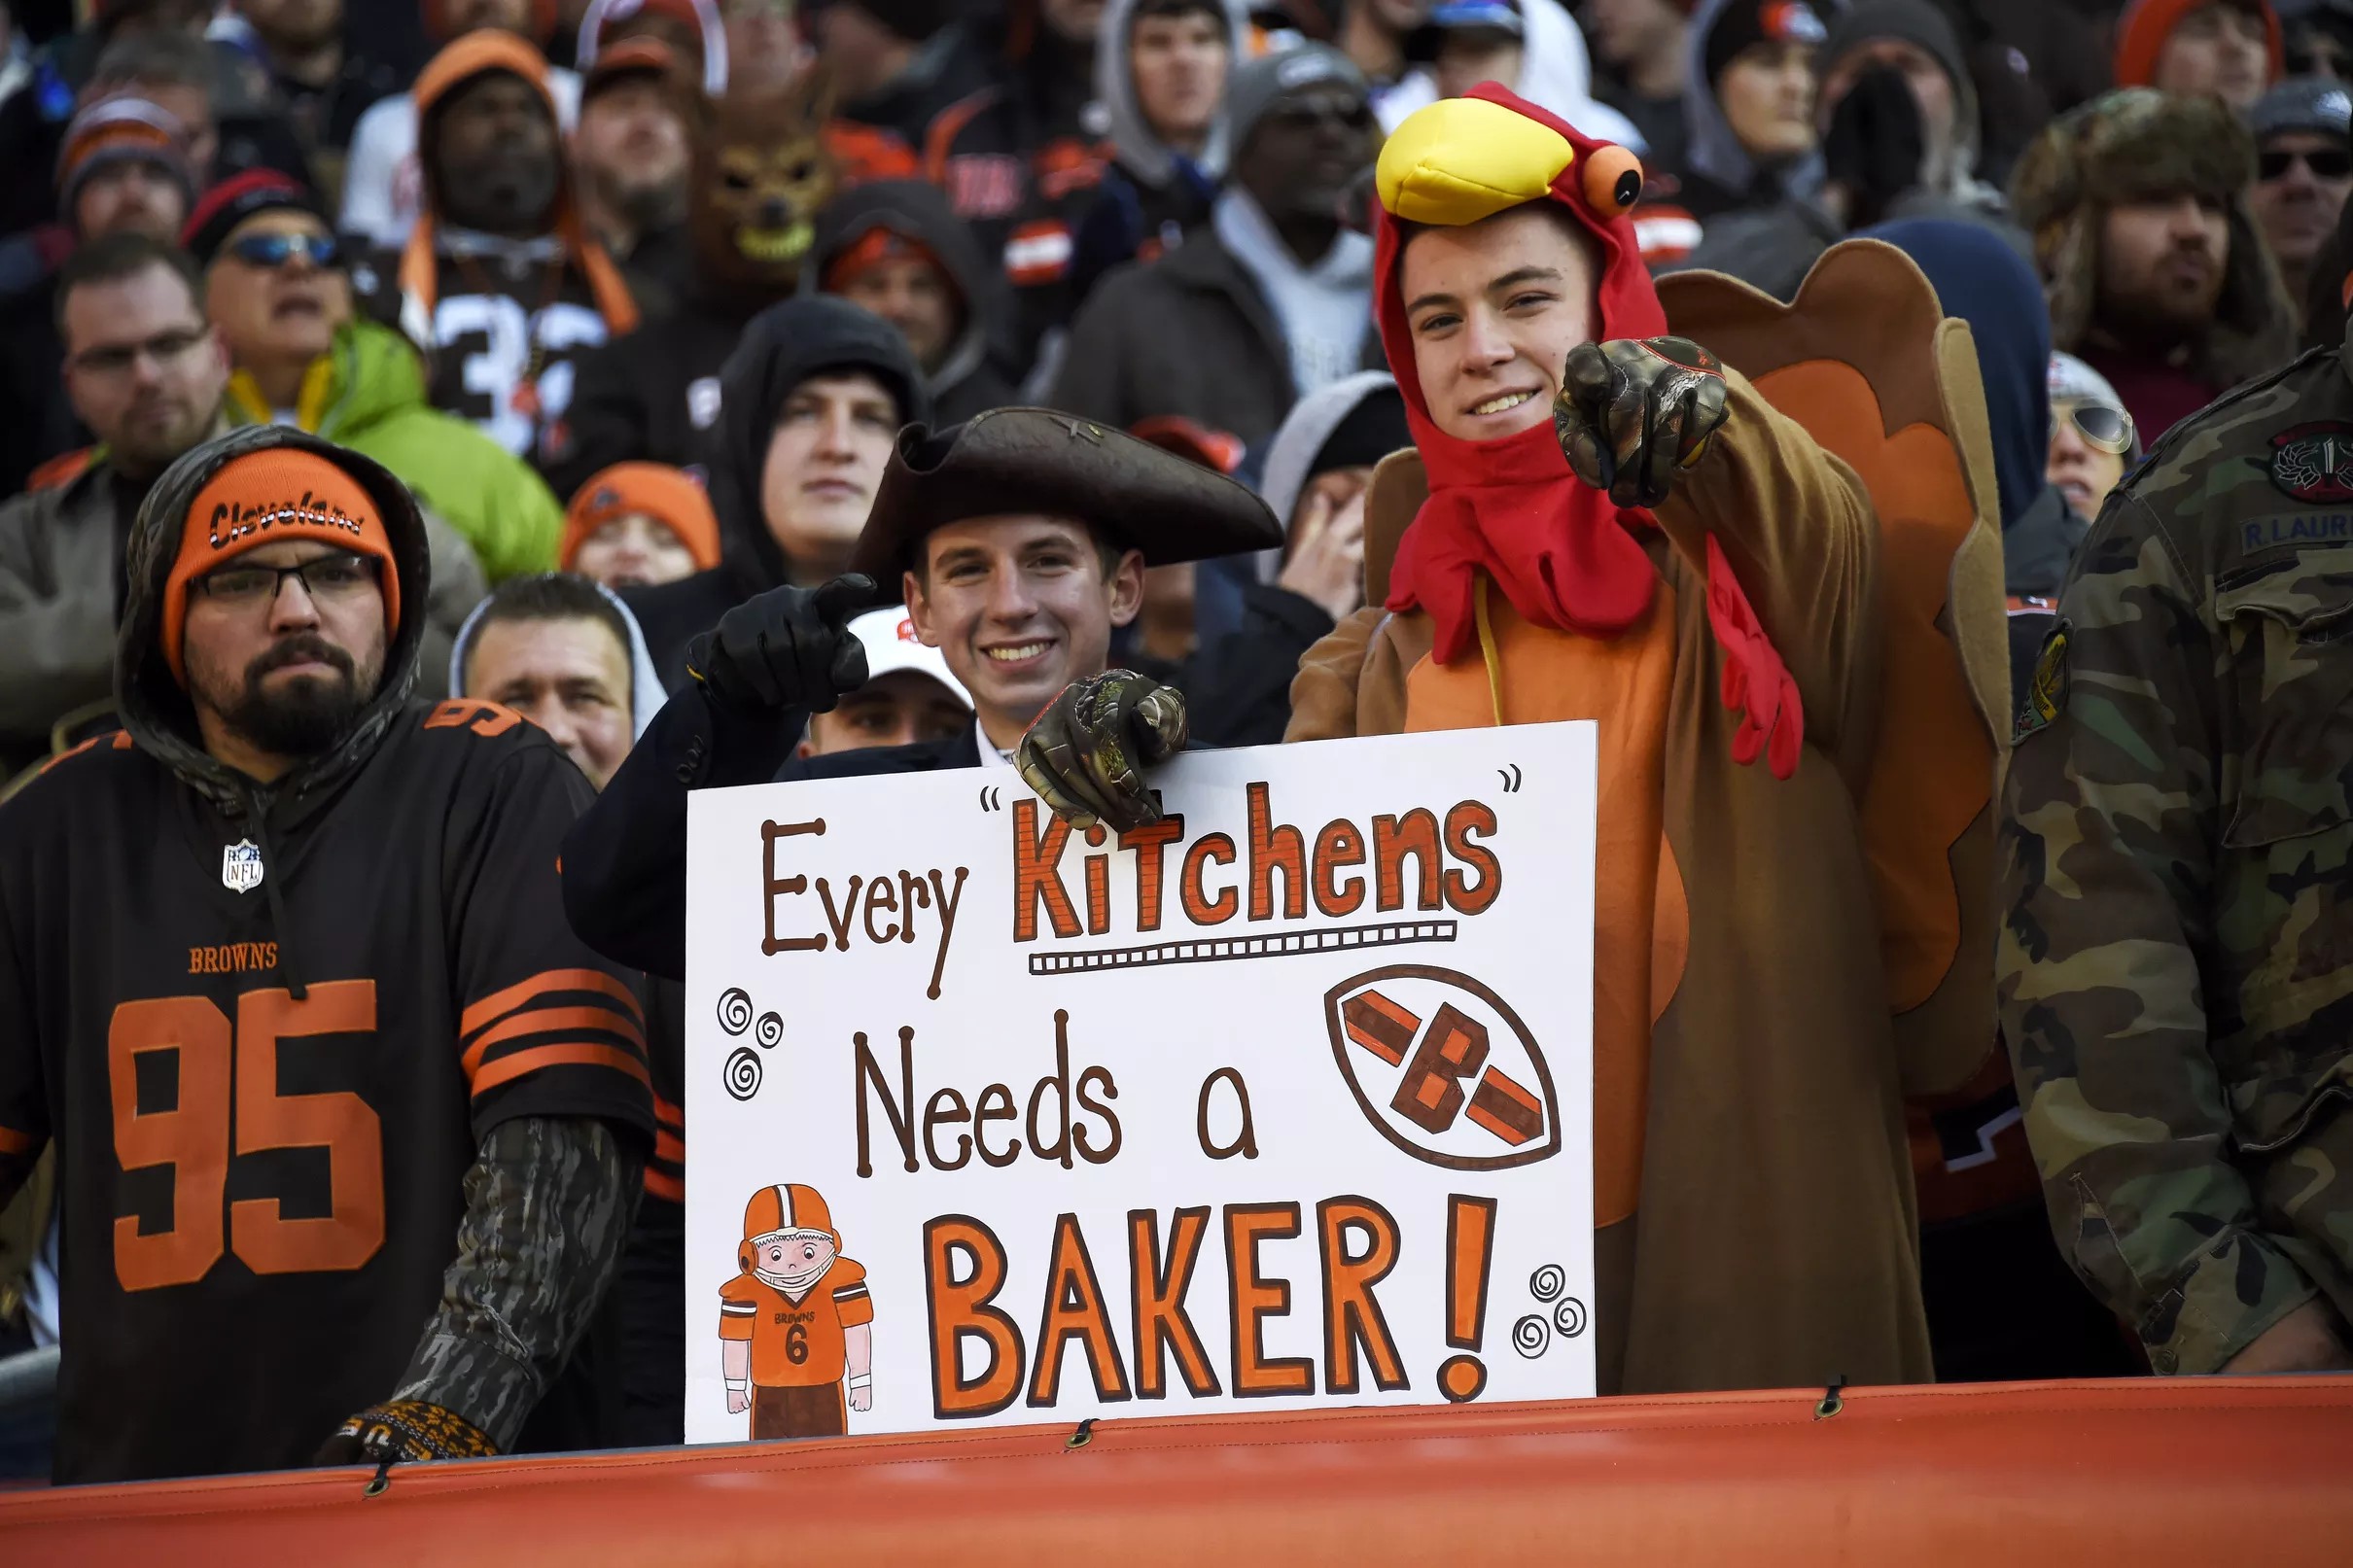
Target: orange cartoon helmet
x=789 y=1210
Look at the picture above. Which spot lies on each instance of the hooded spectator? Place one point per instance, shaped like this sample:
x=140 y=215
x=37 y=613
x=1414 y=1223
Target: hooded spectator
x=897 y=62
x=638 y=524
x=2092 y=441
x=1163 y=93
x=633 y=153
x=1914 y=39
x=894 y=248
x=1642 y=43
x=383 y=182
x=810 y=403
x=1530 y=46
x=2156 y=273
x=2316 y=38
x=326 y=87
x=124 y=169
x=1021 y=159
x=1749 y=107
x=499 y=281
x=1273 y=300
x=691 y=30
x=2304 y=169
x=276 y=290
x=564 y=652
x=762 y=176
x=2228 y=47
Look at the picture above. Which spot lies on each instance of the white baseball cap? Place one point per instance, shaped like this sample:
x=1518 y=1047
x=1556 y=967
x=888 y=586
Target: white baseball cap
x=888 y=636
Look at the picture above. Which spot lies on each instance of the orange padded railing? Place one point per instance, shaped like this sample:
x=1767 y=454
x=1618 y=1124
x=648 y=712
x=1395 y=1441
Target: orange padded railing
x=2150 y=1473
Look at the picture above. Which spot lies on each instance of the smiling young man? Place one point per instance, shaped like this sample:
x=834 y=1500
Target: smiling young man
x=1709 y=585
x=348 y=942
x=1019 y=539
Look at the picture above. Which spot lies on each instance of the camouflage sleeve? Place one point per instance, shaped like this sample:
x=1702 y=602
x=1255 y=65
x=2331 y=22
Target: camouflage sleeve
x=547 y=1208
x=2108 y=821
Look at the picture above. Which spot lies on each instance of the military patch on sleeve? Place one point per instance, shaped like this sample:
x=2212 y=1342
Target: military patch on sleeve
x=2046 y=693
x=2313 y=463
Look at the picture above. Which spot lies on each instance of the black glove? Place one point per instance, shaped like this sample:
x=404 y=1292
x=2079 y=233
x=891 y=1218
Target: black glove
x=1875 y=144
x=1087 y=752
x=1632 y=415
x=403 y=1431
x=788 y=647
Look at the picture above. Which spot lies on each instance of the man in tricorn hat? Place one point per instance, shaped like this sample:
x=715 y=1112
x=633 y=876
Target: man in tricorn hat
x=1019 y=539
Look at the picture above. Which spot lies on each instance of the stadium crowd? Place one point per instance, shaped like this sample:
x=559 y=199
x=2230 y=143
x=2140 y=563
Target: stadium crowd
x=373 y=375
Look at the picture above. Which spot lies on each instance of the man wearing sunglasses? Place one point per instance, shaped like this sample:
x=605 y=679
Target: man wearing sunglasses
x=276 y=288
x=2304 y=170
x=1271 y=299
x=2093 y=439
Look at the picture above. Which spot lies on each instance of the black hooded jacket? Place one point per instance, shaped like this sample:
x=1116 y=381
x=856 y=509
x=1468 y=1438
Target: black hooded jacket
x=968 y=378
x=379 y=931
x=782 y=347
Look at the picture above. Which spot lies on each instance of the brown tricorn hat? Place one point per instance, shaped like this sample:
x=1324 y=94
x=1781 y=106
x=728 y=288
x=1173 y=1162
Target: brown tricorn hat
x=1040 y=462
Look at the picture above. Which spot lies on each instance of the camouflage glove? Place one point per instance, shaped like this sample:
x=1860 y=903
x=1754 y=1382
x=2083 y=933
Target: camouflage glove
x=788 y=647
x=1632 y=415
x=403 y=1431
x=1087 y=751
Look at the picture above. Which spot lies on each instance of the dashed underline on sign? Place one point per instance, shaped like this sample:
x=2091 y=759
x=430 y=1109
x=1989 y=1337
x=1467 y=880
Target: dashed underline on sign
x=1218 y=949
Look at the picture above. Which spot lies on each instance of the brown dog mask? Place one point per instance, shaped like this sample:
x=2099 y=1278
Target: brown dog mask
x=762 y=175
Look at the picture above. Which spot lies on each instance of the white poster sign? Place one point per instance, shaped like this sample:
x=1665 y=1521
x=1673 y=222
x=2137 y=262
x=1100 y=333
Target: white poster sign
x=1283 y=1103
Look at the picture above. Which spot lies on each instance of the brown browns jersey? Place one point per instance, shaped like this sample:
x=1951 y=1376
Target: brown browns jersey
x=264 y=1118
x=797 y=1343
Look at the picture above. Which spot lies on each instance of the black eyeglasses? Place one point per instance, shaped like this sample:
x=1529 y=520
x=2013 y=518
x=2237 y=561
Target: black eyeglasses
x=276 y=250
x=2103 y=426
x=118 y=359
x=2328 y=163
x=327 y=579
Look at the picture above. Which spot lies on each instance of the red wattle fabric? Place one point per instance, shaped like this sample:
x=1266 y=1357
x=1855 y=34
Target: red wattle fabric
x=1564 y=554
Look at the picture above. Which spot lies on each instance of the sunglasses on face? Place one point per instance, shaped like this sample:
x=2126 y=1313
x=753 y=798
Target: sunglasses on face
x=2104 y=426
x=276 y=250
x=2328 y=163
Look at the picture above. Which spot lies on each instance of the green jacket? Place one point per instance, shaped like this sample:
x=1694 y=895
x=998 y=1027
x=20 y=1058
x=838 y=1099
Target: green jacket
x=368 y=392
x=2176 y=960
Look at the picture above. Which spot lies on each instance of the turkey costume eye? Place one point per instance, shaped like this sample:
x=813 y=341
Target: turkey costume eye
x=1613 y=180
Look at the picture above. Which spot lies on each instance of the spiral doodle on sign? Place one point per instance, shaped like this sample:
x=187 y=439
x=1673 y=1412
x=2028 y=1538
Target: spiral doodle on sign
x=1569 y=1317
x=771 y=1029
x=742 y=1073
x=735 y=1010
x=1547 y=1282
x=1531 y=1336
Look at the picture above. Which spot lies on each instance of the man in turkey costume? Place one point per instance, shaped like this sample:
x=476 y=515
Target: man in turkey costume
x=1769 y=567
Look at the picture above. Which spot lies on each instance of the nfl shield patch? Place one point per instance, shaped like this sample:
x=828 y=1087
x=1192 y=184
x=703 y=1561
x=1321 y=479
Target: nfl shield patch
x=241 y=867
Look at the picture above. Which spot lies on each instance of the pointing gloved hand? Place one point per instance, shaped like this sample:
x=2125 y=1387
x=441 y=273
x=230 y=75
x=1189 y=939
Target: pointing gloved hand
x=403 y=1431
x=788 y=647
x=1633 y=414
x=1086 y=753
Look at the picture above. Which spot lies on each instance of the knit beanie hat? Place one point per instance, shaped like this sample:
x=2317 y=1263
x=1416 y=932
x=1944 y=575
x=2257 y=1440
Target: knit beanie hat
x=121 y=130
x=1746 y=22
x=2141 y=34
x=227 y=204
x=1368 y=433
x=278 y=493
x=1921 y=23
x=1256 y=84
x=667 y=495
x=2310 y=105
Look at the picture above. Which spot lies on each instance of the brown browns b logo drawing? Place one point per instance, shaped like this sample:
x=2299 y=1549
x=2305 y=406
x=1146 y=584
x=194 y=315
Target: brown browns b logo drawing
x=1443 y=1067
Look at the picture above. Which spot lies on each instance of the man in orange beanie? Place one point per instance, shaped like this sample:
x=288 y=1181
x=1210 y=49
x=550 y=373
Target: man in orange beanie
x=2227 y=47
x=287 y=889
x=635 y=525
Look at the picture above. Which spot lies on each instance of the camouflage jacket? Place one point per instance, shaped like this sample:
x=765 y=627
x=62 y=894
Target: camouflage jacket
x=2176 y=972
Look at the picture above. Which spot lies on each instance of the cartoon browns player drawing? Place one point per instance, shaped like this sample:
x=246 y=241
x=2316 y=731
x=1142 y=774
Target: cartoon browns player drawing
x=795 y=1321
